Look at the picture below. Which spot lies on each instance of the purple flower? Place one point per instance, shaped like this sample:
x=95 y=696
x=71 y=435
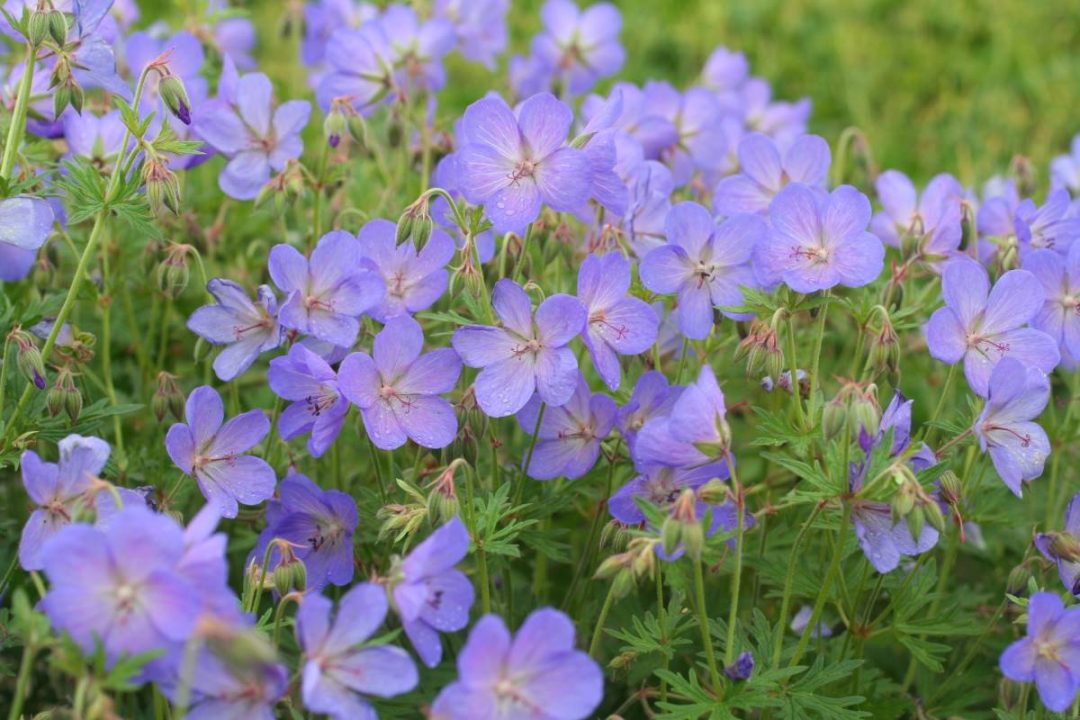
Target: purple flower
x=648 y=206
x=319 y=523
x=414 y=280
x=432 y=595
x=243 y=125
x=25 y=224
x=397 y=389
x=617 y=324
x=725 y=71
x=1050 y=226
x=119 y=584
x=480 y=26
x=246 y=328
x=782 y=121
x=742 y=668
x=228 y=689
x=211 y=451
x=582 y=46
x=1016 y=395
x=418 y=47
x=59 y=491
x=525 y=355
x=652 y=397
x=700 y=142
x=1067 y=561
x=503 y=677
x=818 y=241
x=705 y=264
x=360 y=68
x=1049 y=655
x=326 y=293
x=640 y=118
x=513 y=164
x=982 y=326
x=932 y=220
x=764 y=172
x=322 y=19
x=318 y=403
x=1065 y=169
x=337 y=673
x=186 y=56
x=1059 y=317
x=570 y=435
x=96 y=138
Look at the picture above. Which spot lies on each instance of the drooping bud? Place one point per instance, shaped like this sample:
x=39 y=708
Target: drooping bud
x=162 y=186
x=174 y=95
x=885 y=348
x=865 y=411
x=714 y=492
x=173 y=273
x=952 y=491
x=335 y=125
x=1018 y=579
x=1064 y=546
x=73 y=401
x=442 y=498
x=28 y=358
x=742 y=668
x=168 y=398
x=834 y=416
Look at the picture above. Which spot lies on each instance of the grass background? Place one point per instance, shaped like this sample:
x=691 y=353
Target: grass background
x=936 y=85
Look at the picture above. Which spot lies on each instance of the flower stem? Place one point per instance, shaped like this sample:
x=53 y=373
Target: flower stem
x=316 y=206
x=736 y=579
x=519 y=267
x=22 y=682
x=942 y=399
x=793 y=368
x=481 y=554
x=826 y=586
x=703 y=623
x=18 y=115
x=661 y=617
x=819 y=337
x=598 y=630
x=789 y=579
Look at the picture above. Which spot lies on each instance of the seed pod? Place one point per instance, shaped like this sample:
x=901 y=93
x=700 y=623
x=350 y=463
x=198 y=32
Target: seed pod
x=54 y=401
x=61 y=99
x=934 y=516
x=834 y=416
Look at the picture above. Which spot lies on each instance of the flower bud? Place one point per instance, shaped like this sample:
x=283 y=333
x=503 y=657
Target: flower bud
x=742 y=668
x=58 y=26
x=611 y=566
x=865 y=411
x=28 y=358
x=334 y=126
x=162 y=186
x=714 y=492
x=173 y=273
x=404 y=228
x=175 y=97
x=1018 y=579
x=54 y=401
x=916 y=521
x=1064 y=546
x=670 y=535
x=834 y=416
x=38 y=27
x=61 y=99
x=167 y=398
x=952 y=491
x=73 y=400
x=442 y=501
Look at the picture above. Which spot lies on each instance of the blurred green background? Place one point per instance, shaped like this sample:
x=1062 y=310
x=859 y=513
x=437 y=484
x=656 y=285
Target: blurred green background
x=936 y=85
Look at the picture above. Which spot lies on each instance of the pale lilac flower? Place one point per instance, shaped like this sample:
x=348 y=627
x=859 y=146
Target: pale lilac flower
x=59 y=491
x=512 y=163
x=570 y=435
x=360 y=68
x=639 y=118
x=1049 y=655
x=25 y=224
x=242 y=124
x=234 y=691
x=325 y=17
x=652 y=397
x=246 y=329
x=317 y=403
x=704 y=263
x=648 y=206
x=981 y=325
x=764 y=171
x=819 y=241
x=211 y=451
x=581 y=46
x=414 y=280
x=398 y=389
x=526 y=354
x=1016 y=395
x=119 y=584
x=1068 y=563
x=337 y=673
x=724 y=73
x=508 y=678
x=801 y=620
x=700 y=142
x=529 y=75
x=480 y=26
x=418 y=47
x=1059 y=317
x=782 y=121
x=320 y=525
x=326 y=293
x=617 y=324
x=933 y=220
x=1065 y=169
x=94 y=137
x=431 y=595
x=1049 y=226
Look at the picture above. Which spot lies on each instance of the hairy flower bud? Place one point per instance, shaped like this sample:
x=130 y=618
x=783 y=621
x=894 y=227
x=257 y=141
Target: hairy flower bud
x=58 y=26
x=174 y=95
x=173 y=273
x=162 y=186
x=168 y=398
x=335 y=126
x=28 y=358
x=38 y=27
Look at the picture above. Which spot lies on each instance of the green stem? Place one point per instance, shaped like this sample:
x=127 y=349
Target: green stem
x=793 y=368
x=585 y=562
x=22 y=682
x=942 y=400
x=682 y=360
x=661 y=617
x=481 y=554
x=598 y=630
x=529 y=456
x=519 y=267
x=84 y=261
x=316 y=209
x=3 y=372
x=106 y=349
x=823 y=594
x=819 y=338
x=18 y=115
x=736 y=579
x=279 y=615
x=703 y=623
x=187 y=675
x=789 y=579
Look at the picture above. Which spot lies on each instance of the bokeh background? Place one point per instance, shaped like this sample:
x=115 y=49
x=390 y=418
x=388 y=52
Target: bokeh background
x=936 y=85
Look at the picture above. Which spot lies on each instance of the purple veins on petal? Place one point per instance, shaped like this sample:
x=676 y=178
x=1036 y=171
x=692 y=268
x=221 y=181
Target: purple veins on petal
x=1048 y=655
x=318 y=405
x=244 y=327
x=414 y=280
x=569 y=437
x=764 y=171
x=212 y=451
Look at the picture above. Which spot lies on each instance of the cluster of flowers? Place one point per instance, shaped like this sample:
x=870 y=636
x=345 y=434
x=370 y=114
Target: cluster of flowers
x=709 y=197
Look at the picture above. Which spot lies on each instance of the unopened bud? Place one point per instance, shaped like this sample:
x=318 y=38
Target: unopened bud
x=173 y=273
x=61 y=99
x=54 y=401
x=38 y=27
x=714 y=492
x=834 y=417
x=611 y=566
x=1064 y=546
x=58 y=27
x=670 y=535
x=334 y=126
x=162 y=186
x=916 y=521
x=865 y=412
x=28 y=358
x=1018 y=579
x=934 y=516
x=952 y=490
x=175 y=97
